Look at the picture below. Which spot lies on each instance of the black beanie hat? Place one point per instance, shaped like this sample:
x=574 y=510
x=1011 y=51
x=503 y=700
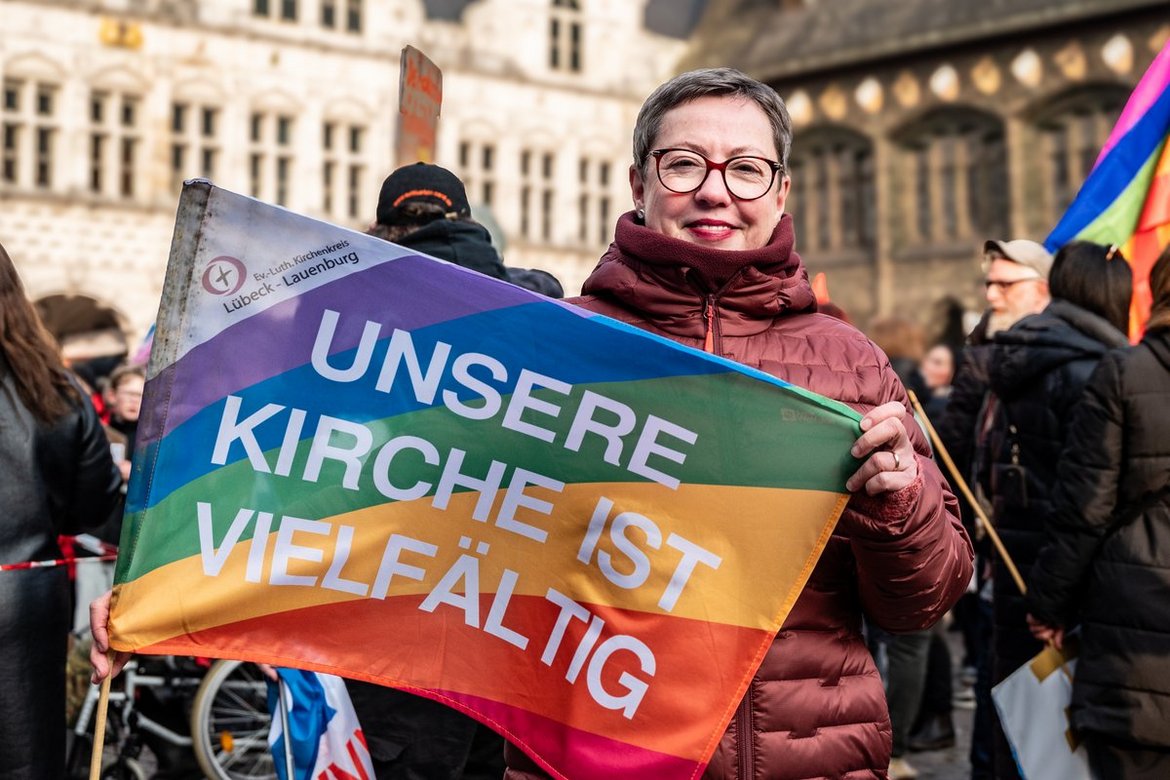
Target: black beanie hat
x=421 y=183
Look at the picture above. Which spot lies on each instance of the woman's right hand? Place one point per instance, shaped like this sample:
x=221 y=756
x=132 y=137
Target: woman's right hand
x=99 y=616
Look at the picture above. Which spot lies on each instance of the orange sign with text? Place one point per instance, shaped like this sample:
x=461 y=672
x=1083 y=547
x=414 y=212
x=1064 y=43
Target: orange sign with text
x=420 y=96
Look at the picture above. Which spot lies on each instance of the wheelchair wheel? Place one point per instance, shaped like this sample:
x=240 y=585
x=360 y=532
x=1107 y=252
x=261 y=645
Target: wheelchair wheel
x=230 y=721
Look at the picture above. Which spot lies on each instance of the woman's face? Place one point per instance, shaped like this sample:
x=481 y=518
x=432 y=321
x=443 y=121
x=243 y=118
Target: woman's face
x=718 y=127
x=938 y=367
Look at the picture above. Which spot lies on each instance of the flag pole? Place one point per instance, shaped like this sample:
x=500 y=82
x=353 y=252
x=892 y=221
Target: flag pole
x=289 y=764
x=99 y=726
x=962 y=484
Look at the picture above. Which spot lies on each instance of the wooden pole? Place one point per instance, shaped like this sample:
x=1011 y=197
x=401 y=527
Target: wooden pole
x=966 y=491
x=99 y=726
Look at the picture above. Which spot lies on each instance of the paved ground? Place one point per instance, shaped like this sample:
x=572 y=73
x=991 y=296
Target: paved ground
x=950 y=764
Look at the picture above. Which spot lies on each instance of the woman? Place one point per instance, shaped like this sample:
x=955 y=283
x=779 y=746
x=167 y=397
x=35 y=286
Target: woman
x=1105 y=563
x=1038 y=371
x=706 y=259
x=937 y=370
x=57 y=478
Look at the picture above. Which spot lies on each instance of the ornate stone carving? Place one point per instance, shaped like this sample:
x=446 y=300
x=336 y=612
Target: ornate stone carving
x=1118 y=54
x=944 y=82
x=869 y=95
x=1028 y=68
x=986 y=77
x=906 y=90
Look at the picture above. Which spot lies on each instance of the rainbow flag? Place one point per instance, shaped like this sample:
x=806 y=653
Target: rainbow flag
x=361 y=461
x=1125 y=201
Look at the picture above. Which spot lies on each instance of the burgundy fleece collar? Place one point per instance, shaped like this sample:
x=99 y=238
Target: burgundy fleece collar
x=715 y=266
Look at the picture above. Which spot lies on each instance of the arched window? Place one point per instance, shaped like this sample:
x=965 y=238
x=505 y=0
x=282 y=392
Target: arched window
x=954 y=176
x=565 y=36
x=832 y=197
x=1073 y=127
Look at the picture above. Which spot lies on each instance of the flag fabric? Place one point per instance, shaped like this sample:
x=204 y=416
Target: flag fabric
x=358 y=460
x=323 y=734
x=1125 y=200
x=1033 y=708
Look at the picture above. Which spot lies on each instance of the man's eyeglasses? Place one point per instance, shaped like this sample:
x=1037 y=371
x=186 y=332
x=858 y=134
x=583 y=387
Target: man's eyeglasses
x=1003 y=285
x=746 y=177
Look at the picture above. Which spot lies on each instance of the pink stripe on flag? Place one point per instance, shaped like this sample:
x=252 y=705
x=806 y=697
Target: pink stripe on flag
x=1156 y=80
x=576 y=753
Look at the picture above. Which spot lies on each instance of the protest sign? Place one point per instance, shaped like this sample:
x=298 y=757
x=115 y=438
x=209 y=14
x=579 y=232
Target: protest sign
x=357 y=460
x=420 y=98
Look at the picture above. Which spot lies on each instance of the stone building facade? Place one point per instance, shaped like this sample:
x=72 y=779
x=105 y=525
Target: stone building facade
x=107 y=105
x=923 y=127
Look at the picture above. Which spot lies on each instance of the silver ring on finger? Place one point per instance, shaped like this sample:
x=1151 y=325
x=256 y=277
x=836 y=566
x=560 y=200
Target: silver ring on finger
x=897 y=460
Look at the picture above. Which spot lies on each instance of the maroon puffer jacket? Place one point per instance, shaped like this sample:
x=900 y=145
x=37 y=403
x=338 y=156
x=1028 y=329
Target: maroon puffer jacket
x=816 y=707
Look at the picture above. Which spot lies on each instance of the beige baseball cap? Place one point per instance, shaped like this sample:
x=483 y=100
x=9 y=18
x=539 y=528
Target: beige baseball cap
x=1024 y=252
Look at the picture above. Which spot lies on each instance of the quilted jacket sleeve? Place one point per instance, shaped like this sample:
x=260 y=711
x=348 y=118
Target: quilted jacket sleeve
x=914 y=559
x=1084 y=498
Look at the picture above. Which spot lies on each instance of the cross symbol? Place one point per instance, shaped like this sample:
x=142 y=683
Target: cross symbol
x=223 y=278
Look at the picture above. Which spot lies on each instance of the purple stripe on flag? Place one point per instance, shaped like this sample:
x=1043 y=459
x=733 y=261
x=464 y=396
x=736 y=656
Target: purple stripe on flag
x=258 y=348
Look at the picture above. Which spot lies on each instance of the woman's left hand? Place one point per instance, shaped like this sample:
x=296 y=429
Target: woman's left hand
x=890 y=462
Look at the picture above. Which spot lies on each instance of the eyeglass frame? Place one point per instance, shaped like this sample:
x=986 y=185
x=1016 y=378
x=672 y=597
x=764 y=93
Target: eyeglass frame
x=1004 y=285
x=712 y=165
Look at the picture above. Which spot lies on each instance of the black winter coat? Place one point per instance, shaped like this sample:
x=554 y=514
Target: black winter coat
x=54 y=479
x=1038 y=371
x=1106 y=558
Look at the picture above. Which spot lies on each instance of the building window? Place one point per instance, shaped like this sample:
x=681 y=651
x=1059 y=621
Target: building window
x=271 y=156
x=593 y=202
x=987 y=195
x=1073 y=129
x=115 y=143
x=956 y=172
x=29 y=128
x=194 y=143
x=286 y=8
x=329 y=13
x=477 y=162
x=565 y=36
x=833 y=191
x=344 y=169
x=923 y=202
x=536 y=194
x=353 y=16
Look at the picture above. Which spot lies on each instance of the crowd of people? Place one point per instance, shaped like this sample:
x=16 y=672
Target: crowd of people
x=1045 y=408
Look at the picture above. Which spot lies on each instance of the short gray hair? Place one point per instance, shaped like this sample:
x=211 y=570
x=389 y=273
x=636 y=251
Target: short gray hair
x=702 y=83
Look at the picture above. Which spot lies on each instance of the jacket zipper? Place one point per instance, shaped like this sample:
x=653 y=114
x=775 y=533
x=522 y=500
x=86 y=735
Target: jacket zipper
x=745 y=757
x=712 y=341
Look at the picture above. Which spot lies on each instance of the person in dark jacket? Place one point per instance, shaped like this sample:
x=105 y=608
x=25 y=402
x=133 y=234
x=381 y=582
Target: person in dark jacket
x=707 y=259
x=424 y=208
x=1105 y=563
x=1038 y=371
x=58 y=478
x=1017 y=286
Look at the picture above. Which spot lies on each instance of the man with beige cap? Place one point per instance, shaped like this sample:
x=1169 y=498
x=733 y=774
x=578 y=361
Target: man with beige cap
x=1016 y=281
